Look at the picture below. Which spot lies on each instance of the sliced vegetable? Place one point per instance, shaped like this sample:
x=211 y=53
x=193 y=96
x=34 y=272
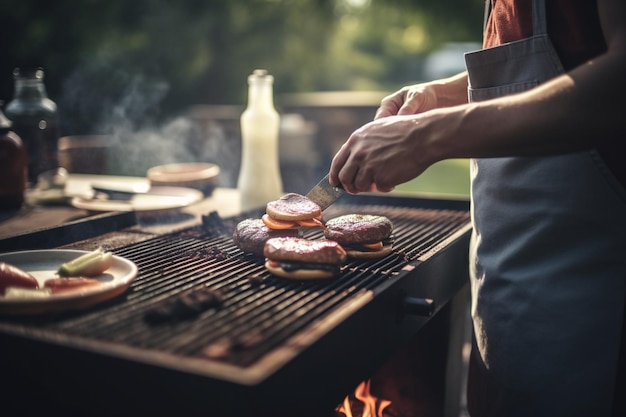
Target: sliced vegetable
x=373 y=246
x=314 y=222
x=278 y=224
x=62 y=285
x=273 y=263
x=90 y=264
x=12 y=276
x=16 y=292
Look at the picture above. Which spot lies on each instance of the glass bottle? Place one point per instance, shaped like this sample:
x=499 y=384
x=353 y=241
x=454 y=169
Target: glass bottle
x=259 y=175
x=35 y=120
x=12 y=166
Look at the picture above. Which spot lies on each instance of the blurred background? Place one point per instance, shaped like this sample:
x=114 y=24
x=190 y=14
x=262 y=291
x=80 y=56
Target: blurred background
x=166 y=81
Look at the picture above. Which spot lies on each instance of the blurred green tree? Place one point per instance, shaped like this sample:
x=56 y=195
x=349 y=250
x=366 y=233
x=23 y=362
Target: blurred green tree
x=159 y=57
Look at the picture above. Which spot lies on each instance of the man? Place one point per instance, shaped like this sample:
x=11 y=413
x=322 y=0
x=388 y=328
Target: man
x=540 y=110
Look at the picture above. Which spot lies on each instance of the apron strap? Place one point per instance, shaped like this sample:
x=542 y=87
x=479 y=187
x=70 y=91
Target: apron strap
x=540 y=26
x=487 y=13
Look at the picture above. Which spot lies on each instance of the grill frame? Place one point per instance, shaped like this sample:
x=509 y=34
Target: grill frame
x=341 y=347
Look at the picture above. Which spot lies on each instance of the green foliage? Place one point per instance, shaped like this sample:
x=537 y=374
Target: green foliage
x=99 y=53
x=450 y=176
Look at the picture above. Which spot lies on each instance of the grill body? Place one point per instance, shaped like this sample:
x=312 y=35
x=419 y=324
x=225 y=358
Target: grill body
x=284 y=347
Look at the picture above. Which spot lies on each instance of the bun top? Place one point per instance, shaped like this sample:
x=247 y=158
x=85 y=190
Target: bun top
x=304 y=250
x=358 y=228
x=293 y=206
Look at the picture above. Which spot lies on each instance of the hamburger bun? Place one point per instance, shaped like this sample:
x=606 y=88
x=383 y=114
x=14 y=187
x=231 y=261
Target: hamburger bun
x=299 y=258
x=363 y=236
x=250 y=235
x=292 y=211
x=299 y=274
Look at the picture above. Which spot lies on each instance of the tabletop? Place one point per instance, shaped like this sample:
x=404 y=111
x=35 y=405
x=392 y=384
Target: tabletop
x=32 y=216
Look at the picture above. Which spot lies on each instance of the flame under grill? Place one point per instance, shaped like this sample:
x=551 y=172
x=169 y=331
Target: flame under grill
x=258 y=313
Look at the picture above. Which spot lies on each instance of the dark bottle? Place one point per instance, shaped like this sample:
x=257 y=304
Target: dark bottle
x=35 y=120
x=12 y=166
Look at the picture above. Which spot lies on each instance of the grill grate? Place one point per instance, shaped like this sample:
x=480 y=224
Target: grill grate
x=259 y=312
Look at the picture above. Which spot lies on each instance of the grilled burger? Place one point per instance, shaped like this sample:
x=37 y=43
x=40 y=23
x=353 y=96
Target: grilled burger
x=298 y=258
x=361 y=235
x=250 y=235
x=292 y=211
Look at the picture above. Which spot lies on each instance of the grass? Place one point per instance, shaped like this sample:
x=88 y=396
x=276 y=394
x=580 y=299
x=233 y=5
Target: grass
x=446 y=177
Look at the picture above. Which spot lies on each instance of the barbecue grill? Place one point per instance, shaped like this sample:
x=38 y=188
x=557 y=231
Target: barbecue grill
x=270 y=346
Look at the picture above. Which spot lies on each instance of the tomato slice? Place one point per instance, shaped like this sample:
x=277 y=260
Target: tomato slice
x=373 y=246
x=278 y=224
x=314 y=222
x=274 y=264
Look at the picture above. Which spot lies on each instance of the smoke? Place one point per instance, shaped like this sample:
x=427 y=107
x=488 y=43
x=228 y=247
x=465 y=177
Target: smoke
x=106 y=100
x=100 y=98
x=125 y=108
x=132 y=152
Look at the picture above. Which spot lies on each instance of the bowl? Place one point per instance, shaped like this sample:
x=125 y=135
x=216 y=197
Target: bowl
x=198 y=175
x=85 y=154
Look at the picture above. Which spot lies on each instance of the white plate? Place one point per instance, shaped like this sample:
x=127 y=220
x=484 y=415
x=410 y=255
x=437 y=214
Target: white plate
x=156 y=199
x=43 y=264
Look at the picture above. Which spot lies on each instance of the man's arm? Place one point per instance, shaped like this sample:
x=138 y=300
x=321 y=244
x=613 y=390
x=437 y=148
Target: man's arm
x=569 y=113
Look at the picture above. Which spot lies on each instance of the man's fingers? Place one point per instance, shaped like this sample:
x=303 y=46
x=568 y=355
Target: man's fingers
x=339 y=160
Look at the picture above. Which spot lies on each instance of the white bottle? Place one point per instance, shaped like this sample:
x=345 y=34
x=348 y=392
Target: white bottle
x=259 y=176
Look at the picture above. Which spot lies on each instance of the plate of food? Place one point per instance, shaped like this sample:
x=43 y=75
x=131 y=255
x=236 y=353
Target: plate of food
x=52 y=280
x=156 y=199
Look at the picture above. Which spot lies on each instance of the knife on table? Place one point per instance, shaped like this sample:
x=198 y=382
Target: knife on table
x=119 y=192
x=325 y=194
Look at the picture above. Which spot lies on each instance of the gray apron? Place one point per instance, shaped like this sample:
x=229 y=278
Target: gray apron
x=547 y=260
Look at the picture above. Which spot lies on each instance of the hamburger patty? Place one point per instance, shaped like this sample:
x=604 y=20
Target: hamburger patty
x=358 y=228
x=292 y=206
x=250 y=235
x=304 y=250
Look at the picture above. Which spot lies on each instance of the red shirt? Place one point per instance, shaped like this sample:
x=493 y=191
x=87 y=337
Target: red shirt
x=573 y=27
x=575 y=31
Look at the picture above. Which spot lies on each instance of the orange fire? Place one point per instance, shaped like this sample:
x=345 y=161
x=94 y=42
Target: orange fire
x=372 y=406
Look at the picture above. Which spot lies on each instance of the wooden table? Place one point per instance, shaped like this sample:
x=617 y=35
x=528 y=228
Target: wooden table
x=225 y=201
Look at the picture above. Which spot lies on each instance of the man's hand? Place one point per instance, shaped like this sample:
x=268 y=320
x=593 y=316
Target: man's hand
x=422 y=97
x=382 y=154
x=408 y=100
x=386 y=152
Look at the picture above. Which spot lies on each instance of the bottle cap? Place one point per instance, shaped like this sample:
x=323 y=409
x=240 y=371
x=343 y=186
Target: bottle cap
x=28 y=73
x=260 y=75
